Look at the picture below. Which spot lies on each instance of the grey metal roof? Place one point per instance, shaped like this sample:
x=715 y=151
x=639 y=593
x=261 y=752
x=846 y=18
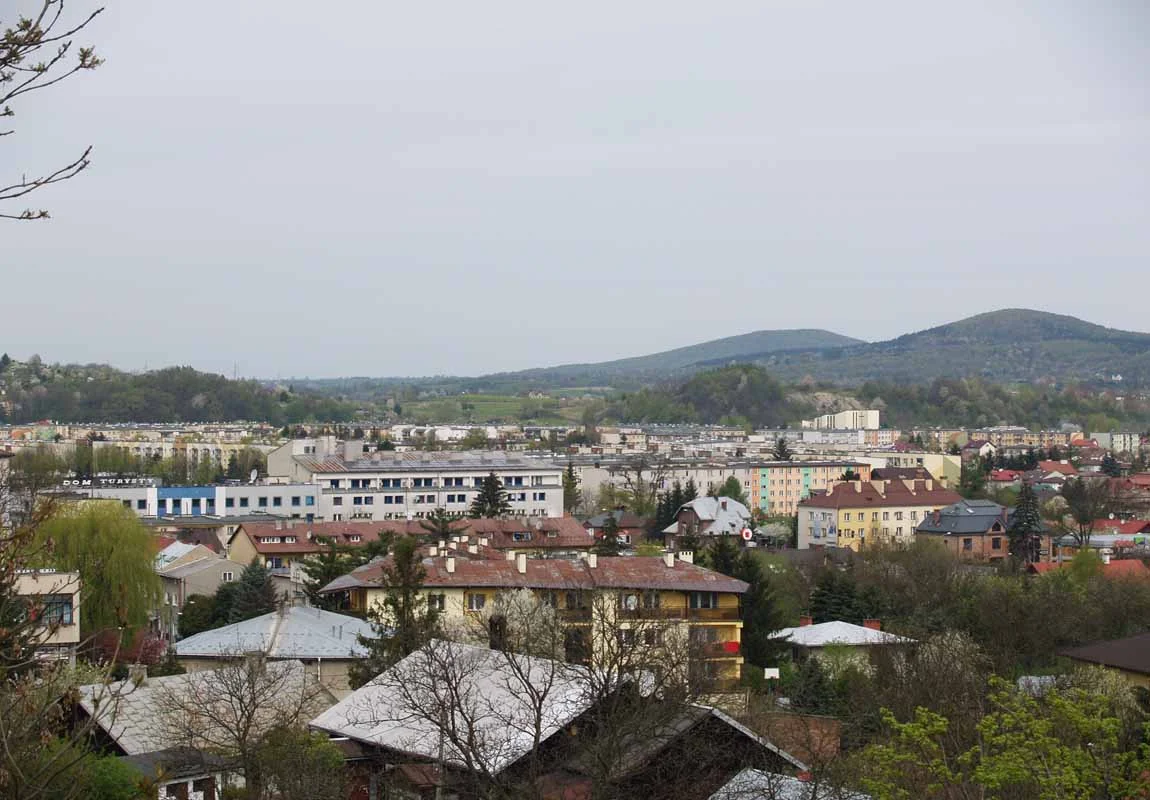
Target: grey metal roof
x=716 y=520
x=132 y=714
x=837 y=632
x=294 y=632
x=968 y=517
x=755 y=784
x=197 y=566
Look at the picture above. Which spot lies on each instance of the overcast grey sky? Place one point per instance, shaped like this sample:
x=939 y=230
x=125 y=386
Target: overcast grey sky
x=382 y=188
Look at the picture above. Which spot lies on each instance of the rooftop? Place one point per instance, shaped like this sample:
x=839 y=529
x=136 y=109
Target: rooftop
x=296 y=632
x=425 y=461
x=837 y=633
x=1131 y=654
x=878 y=494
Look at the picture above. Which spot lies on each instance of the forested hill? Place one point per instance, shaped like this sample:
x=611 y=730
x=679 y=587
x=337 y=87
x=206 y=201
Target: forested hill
x=33 y=391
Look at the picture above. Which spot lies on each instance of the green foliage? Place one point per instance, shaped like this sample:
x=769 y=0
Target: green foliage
x=491 y=501
x=254 y=595
x=724 y=555
x=441 y=525
x=1087 y=501
x=730 y=488
x=836 y=597
x=608 y=543
x=112 y=550
x=109 y=778
x=198 y=615
x=404 y=621
x=782 y=450
x=761 y=610
x=301 y=765
x=1025 y=526
x=570 y=489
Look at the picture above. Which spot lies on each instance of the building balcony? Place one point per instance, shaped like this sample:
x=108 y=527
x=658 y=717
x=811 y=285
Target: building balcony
x=714 y=614
x=722 y=649
x=652 y=613
x=574 y=614
x=717 y=685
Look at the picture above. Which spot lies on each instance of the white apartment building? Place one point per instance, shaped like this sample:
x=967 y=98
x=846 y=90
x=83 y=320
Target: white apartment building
x=865 y=419
x=147 y=499
x=355 y=483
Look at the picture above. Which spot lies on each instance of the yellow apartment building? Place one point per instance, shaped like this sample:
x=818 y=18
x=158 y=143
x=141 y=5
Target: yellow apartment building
x=859 y=514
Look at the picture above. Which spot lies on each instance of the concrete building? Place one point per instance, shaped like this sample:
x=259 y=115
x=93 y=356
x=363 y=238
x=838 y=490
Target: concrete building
x=55 y=599
x=148 y=499
x=854 y=419
x=861 y=513
x=356 y=484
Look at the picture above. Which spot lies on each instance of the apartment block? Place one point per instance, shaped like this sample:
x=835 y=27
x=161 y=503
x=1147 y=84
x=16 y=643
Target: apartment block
x=777 y=487
x=858 y=514
x=55 y=600
x=854 y=419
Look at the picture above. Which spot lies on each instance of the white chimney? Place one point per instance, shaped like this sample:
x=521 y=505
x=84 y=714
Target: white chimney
x=592 y=560
x=451 y=564
x=279 y=524
x=687 y=555
x=1105 y=558
x=442 y=544
x=510 y=555
x=483 y=541
x=434 y=551
x=669 y=559
x=473 y=549
x=521 y=563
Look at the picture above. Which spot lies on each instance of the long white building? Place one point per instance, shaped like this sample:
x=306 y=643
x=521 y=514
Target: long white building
x=356 y=483
x=864 y=419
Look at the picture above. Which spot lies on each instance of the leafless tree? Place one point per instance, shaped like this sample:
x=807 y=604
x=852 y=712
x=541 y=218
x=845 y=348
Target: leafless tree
x=231 y=711
x=37 y=52
x=642 y=476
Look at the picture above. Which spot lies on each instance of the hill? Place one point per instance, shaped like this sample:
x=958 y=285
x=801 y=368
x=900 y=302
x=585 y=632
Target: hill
x=1009 y=346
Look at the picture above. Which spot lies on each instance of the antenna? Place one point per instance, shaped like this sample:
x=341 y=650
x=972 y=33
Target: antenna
x=254 y=474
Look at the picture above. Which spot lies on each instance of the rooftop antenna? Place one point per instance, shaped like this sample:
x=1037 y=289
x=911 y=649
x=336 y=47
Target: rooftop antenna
x=255 y=473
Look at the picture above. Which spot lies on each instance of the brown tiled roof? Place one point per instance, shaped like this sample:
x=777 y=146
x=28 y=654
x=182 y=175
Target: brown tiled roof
x=1131 y=654
x=619 y=572
x=856 y=494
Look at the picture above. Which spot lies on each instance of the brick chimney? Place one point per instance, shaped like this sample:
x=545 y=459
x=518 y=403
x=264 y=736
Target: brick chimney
x=805 y=620
x=521 y=563
x=873 y=624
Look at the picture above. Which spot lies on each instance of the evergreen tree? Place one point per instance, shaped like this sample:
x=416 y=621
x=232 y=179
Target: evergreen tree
x=404 y=621
x=731 y=488
x=1110 y=466
x=492 y=499
x=233 y=471
x=782 y=451
x=441 y=525
x=570 y=489
x=1025 y=526
x=835 y=597
x=724 y=555
x=608 y=543
x=677 y=498
x=4 y=362
x=255 y=594
x=972 y=484
x=760 y=612
x=690 y=491
x=332 y=561
x=198 y=615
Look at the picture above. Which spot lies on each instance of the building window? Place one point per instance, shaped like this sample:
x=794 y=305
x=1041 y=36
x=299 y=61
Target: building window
x=653 y=637
x=628 y=601
x=277 y=502
x=295 y=500
x=355 y=537
x=262 y=502
x=309 y=501
x=968 y=544
x=357 y=501
x=476 y=601
x=437 y=602
x=275 y=562
x=141 y=505
x=58 y=609
x=704 y=600
x=227 y=577
x=244 y=502
x=369 y=500
x=337 y=501
x=886 y=516
x=996 y=543
x=229 y=502
x=626 y=637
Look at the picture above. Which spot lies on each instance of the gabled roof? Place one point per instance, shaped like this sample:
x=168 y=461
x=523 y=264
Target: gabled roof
x=1061 y=467
x=1127 y=527
x=486 y=698
x=181 y=571
x=618 y=572
x=624 y=519
x=1131 y=654
x=296 y=632
x=718 y=516
x=837 y=633
x=867 y=494
x=966 y=517
x=756 y=784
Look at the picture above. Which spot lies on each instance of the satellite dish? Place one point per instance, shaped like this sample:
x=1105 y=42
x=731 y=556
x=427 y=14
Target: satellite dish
x=255 y=473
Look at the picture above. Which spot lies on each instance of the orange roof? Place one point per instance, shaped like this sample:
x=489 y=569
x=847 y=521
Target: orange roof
x=856 y=494
x=1061 y=467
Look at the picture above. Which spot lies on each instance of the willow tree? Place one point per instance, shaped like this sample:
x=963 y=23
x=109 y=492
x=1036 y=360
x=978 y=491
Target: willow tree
x=113 y=552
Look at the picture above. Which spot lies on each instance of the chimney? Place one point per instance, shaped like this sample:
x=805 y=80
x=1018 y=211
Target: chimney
x=450 y=564
x=1105 y=558
x=442 y=544
x=279 y=524
x=873 y=624
x=723 y=504
x=434 y=551
x=483 y=541
x=669 y=559
x=592 y=560
x=473 y=549
x=805 y=620
x=687 y=555
x=521 y=563
x=510 y=555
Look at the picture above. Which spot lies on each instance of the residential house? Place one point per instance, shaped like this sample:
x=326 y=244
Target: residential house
x=55 y=599
x=856 y=514
x=838 y=643
x=1064 y=468
x=631 y=528
x=977 y=449
x=629 y=598
x=1004 y=479
x=710 y=516
x=977 y=530
x=199 y=576
x=325 y=643
x=451 y=718
x=1129 y=657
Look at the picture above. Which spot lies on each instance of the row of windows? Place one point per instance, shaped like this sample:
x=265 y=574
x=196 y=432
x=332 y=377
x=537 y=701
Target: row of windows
x=861 y=516
x=431 y=483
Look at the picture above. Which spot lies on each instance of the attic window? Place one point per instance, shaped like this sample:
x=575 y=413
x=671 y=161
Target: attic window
x=355 y=537
x=521 y=536
x=552 y=534
x=289 y=539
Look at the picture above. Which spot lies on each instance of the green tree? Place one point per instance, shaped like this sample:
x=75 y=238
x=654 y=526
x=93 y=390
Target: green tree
x=492 y=499
x=836 y=597
x=197 y=615
x=404 y=621
x=570 y=489
x=1110 y=466
x=1025 y=526
x=782 y=451
x=112 y=550
x=972 y=483
x=724 y=555
x=332 y=561
x=255 y=594
x=1087 y=501
x=608 y=543
x=441 y=525
x=761 y=613
x=731 y=488
x=302 y=765
x=475 y=439
x=812 y=690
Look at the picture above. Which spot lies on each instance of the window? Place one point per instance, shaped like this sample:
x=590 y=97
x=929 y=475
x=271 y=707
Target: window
x=968 y=544
x=227 y=577
x=262 y=502
x=874 y=516
x=898 y=515
x=337 y=501
x=295 y=500
x=275 y=562
x=244 y=502
x=141 y=505
x=539 y=495
x=898 y=531
x=437 y=602
x=57 y=609
x=653 y=637
x=651 y=598
x=277 y=502
x=625 y=637
x=885 y=516
x=704 y=600
x=357 y=501
x=476 y=601
x=309 y=501
x=369 y=500
x=289 y=539
x=521 y=536
x=230 y=502
x=574 y=600
x=355 y=537
x=996 y=543
x=914 y=516
x=334 y=484
x=628 y=601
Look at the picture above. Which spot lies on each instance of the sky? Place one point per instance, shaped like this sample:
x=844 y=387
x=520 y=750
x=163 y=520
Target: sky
x=286 y=188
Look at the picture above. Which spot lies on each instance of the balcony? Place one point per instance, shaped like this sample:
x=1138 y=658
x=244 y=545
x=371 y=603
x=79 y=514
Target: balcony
x=574 y=614
x=717 y=685
x=652 y=613
x=714 y=614
x=721 y=649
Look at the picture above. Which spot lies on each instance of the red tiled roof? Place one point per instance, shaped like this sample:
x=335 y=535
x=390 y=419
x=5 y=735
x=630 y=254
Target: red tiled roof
x=615 y=572
x=852 y=494
x=1062 y=467
x=1005 y=475
x=1121 y=527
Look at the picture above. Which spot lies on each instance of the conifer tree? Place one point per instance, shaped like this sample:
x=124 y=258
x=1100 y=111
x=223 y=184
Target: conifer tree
x=608 y=543
x=1025 y=526
x=255 y=594
x=570 y=489
x=492 y=499
x=690 y=491
x=782 y=451
x=441 y=525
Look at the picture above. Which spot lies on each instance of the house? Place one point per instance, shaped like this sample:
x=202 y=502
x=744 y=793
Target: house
x=453 y=716
x=631 y=527
x=977 y=449
x=1129 y=657
x=976 y=530
x=855 y=514
x=55 y=599
x=1050 y=469
x=594 y=598
x=181 y=772
x=141 y=717
x=184 y=578
x=1004 y=479
x=710 y=516
x=837 y=641
x=325 y=643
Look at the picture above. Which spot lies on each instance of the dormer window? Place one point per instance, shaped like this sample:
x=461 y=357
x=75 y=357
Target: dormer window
x=521 y=536
x=355 y=537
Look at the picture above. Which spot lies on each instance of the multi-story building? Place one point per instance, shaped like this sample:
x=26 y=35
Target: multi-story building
x=148 y=499
x=639 y=601
x=355 y=483
x=977 y=530
x=943 y=467
x=777 y=487
x=858 y=514
x=1119 y=441
x=865 y=419
x=55 y=599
